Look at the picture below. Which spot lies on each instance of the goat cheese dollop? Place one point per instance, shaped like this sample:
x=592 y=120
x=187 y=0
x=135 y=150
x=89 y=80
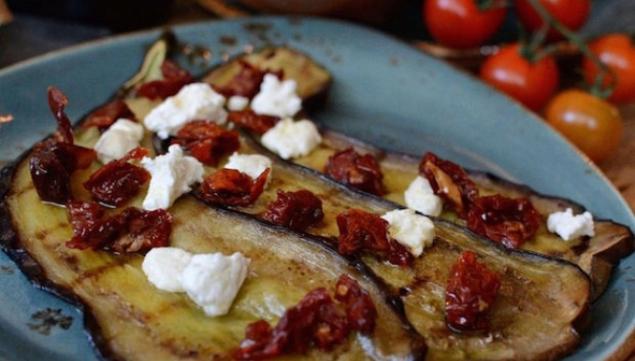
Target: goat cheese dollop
x=197 y=101
x=212 y=281
x=569 y=226
x=413 y=231
x=123 y=136
x=164 y=265
x=420 y=197
x=277 y=98
x=291 y=139
x=172 y=175
x=251 y=164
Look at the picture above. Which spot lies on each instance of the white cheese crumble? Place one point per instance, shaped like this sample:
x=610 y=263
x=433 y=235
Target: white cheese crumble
x=251 y=164
x=123 y=136
x=196 y=101
x=277 y=98
x=164 y=265
x=172 y=175
x=420 y=197
x=569 y=226
x=212 y=281
x=291 y=139
x=237 y=103
x=412 y=230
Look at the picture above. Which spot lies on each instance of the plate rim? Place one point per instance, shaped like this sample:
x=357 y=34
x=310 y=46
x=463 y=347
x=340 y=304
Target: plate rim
x=618 y=349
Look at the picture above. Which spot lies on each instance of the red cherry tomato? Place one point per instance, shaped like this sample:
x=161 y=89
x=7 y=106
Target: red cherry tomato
x=532 y=84
x=460 y=23
x=592 y=124
x=618 y=53
x=571 y=13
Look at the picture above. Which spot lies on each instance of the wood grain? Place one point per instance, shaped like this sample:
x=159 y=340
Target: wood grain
x=621 y=168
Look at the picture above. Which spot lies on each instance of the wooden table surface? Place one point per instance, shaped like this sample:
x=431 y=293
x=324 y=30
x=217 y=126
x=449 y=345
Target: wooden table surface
x=621 y=168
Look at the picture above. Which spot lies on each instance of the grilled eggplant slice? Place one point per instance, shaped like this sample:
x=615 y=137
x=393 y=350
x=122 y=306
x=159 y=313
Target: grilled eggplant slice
x=533 y=318
x=539 y=301
x=596 y=255
x=135 y=321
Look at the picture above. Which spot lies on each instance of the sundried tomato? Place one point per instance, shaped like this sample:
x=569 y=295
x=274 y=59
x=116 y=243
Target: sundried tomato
x=174 y=78
x=246 y=82
x=231 y=187
x=145 y=230
x=207 y=141
x=449 y=181
x=471 y=290
x=54 y=160
x=104 y=116
x=360 y=308
x=118 y=181
x=84 y=216
x=132 y=230
x=296 y=210
x=316 y=320
x=257 y=123
x=356 y=170
x=57 y=103
x=363 y=231
x=505 y=220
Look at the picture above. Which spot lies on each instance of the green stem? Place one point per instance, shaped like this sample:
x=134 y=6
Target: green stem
x=530 y=49
x=484 y=5
x=596 y=88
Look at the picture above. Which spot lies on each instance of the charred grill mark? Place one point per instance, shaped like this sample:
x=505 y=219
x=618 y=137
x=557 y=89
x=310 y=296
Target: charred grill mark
x=98 y=271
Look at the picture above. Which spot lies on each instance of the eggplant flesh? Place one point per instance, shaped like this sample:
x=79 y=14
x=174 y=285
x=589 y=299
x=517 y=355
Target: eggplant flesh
x=596 y=255
x=135 y=321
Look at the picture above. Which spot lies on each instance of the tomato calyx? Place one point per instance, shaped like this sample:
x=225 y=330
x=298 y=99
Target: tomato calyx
x=470 y=292
x=485 y=5
x=317 y=320
x=361 y=231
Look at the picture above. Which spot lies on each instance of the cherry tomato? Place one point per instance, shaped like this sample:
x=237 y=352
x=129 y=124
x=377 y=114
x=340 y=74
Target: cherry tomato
x=618 y=53
x=460 y=23
x=592 y=124
x=532 y=84
x=571 y=13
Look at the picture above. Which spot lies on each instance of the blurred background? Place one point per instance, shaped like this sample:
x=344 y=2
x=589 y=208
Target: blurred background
x=470 y=34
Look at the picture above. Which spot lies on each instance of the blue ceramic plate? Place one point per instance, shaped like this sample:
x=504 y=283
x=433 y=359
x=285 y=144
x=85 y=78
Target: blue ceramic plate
x=384 y=92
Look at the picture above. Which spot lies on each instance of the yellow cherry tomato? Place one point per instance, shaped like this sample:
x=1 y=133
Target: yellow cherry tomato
x=592 y=124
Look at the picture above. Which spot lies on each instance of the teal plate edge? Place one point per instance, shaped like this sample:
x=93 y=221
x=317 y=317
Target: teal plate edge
x=384 y=92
